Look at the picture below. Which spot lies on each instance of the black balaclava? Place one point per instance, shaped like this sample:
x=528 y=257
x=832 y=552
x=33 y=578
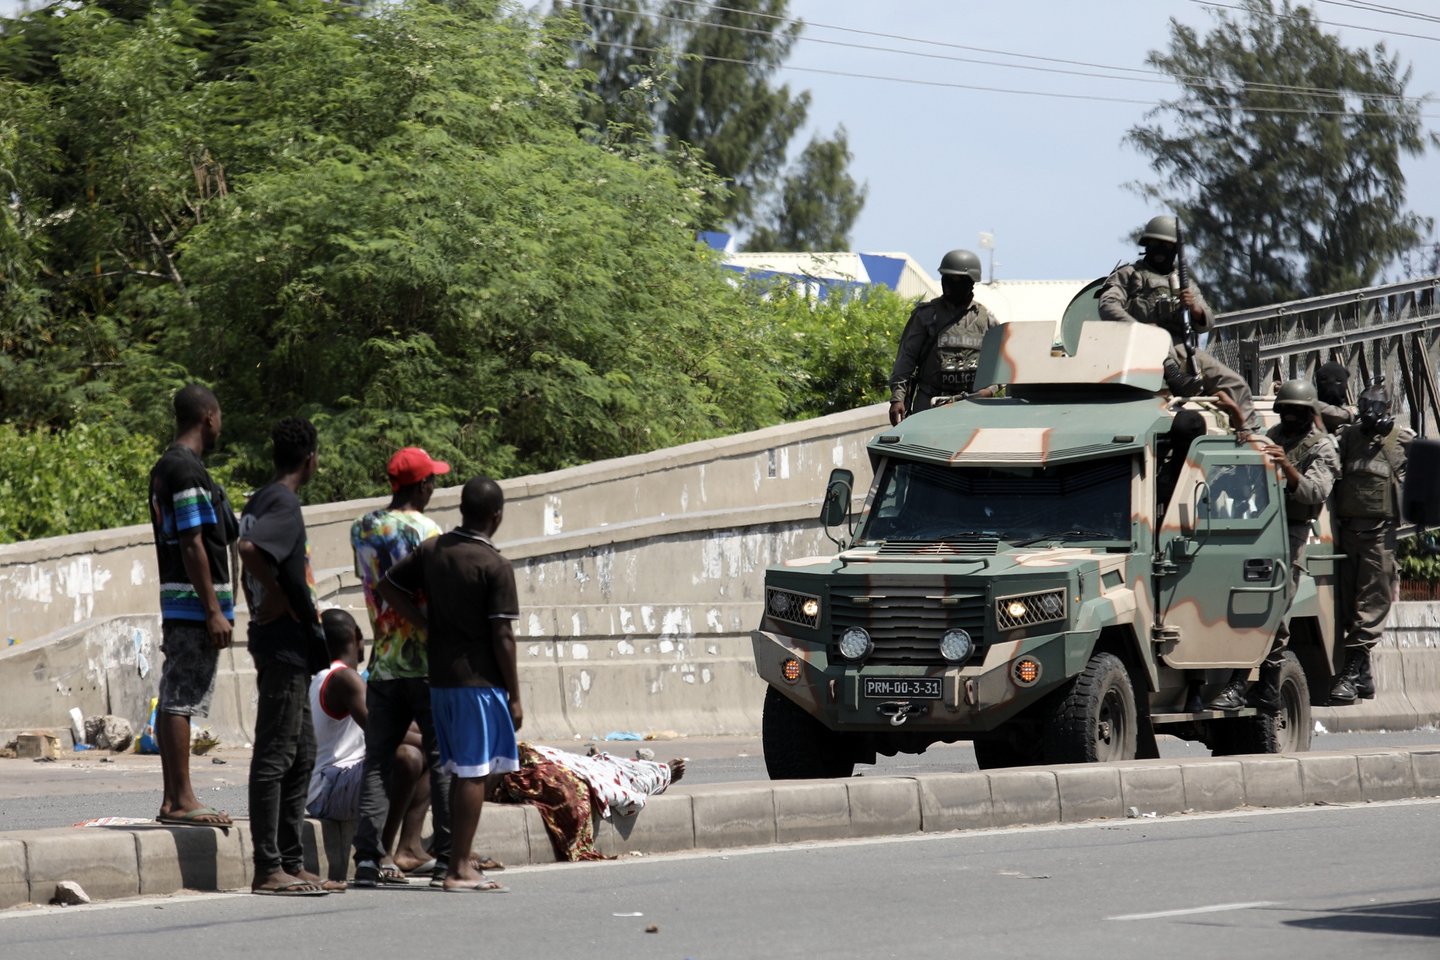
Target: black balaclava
x=1330 y=383
x=1295 y=420
x=1374 y=407
x=958 y=290
x=1159 y=256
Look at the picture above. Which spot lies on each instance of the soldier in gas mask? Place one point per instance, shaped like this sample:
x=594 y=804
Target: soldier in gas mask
x=1307 y=457
x=1148 y=291
x=1367 y=502
x=940 y=347
x=1332 y=384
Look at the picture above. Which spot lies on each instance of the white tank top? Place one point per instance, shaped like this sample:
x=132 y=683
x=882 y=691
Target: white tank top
x=339 y=741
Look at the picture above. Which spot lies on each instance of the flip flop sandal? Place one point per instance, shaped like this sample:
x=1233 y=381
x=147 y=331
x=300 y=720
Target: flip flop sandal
x=421 y=870
x=486 y=885
x=296 y=888
x=392 y=876
x=191 y=818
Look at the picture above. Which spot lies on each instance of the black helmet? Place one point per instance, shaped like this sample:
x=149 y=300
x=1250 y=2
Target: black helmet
x=960 y=263
x=1161 y=228
x=1297 y=393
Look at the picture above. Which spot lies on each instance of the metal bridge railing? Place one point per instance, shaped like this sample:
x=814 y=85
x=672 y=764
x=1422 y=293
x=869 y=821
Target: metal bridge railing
x=1391 y=330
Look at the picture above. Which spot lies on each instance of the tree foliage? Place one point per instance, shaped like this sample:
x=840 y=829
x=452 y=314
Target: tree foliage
x=818 y=202
x=704 y=77
x=1282 y=154
x=394 y=221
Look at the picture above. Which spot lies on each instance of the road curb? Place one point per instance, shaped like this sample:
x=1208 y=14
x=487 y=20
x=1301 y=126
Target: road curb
x=116 y=862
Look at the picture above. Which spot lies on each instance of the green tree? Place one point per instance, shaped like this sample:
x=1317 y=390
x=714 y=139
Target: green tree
x=818 y=202
x=1282 y=153
x=706 y=76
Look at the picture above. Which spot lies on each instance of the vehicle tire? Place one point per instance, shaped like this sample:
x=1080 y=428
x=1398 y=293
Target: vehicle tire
x=1094 y=720
x=797 y=746
x=1288 y=731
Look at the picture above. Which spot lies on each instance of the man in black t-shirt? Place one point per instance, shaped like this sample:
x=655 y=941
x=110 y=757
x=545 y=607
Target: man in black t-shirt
x=194 y=527
x=471 y=609
x=285 y=639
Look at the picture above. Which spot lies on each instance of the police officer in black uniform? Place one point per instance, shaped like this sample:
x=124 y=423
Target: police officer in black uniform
x=940 y=347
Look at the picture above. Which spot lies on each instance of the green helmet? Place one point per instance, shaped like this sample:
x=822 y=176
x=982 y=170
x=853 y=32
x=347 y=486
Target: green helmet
x=960 y=263
x=1161 y=228
x=1297 y=393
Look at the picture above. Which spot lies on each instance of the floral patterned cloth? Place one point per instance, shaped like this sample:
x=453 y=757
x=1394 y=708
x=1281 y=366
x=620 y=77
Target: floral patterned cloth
x=571 y=791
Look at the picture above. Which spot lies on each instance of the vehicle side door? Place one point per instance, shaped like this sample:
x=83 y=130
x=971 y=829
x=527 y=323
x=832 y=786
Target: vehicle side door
x=1222 y=574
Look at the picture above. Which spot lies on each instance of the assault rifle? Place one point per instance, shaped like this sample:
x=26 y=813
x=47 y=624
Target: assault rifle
x=1192 y=339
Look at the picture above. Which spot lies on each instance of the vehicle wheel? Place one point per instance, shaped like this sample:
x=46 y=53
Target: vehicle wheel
x=1095 y=719
x=1006 y=752
x=1288 y=731
x=797 y=746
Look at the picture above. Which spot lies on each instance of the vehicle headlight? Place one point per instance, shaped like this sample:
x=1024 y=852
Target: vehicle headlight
x=854 y=643
x=792 y=607
x=1029 y=609
x=956 y=646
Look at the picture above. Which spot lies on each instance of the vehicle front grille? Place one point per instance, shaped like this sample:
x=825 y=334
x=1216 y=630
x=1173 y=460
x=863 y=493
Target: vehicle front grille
x=906 y=623
x=977 y=547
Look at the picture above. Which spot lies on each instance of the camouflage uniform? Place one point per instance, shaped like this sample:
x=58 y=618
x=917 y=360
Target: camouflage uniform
x=1336 y=418
x=1367 y=502
x=1314 y=456
x=1138 y=294
x=938 y=352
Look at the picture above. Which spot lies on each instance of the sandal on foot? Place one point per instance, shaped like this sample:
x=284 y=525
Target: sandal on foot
x=199 y=817
x=293 y=888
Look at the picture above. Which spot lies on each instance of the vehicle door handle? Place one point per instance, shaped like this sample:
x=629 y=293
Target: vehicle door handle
x=1259 y=570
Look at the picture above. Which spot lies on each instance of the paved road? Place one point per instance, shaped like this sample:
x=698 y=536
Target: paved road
x=1317 y=883
x=82 y=787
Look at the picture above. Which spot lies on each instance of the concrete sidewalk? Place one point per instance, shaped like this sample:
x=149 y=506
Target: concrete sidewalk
x=128 y=861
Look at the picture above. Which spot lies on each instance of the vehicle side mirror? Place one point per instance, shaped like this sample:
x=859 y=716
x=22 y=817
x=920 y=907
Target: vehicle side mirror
x=838 y=491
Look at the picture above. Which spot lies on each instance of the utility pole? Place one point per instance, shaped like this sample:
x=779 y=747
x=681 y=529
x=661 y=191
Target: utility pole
x=987 y=242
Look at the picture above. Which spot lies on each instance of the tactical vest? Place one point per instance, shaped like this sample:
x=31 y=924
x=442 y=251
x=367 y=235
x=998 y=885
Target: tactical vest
x=1295 y=511
x=1369 y=482
x=1155 y=303
x=948 y=368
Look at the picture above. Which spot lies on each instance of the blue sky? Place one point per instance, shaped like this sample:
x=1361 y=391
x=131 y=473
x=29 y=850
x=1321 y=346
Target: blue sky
x=1044 y=173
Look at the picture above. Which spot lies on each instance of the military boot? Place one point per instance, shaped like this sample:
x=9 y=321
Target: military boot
x=1233 y=696
x=1265 y=696
x=1355 y=681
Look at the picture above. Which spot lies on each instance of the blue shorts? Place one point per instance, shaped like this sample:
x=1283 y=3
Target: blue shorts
x=474 y=731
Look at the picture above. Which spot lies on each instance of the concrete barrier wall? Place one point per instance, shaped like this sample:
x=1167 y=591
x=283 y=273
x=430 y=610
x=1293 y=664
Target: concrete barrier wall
x=639 y=580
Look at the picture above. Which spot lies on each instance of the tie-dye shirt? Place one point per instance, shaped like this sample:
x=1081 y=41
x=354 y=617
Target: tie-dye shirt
x=380 y=538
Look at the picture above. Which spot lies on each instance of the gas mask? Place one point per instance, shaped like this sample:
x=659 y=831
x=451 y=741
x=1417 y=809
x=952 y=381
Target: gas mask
x=1374 y=408
x=958 y=290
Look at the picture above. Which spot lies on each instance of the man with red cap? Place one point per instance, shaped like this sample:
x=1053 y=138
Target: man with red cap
x=397 y=692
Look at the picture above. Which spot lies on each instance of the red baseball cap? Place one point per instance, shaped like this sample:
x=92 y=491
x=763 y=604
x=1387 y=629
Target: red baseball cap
x=412 y=465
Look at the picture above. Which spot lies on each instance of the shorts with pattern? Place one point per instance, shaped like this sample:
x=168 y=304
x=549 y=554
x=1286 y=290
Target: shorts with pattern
x=187 y=679
x=474 y=731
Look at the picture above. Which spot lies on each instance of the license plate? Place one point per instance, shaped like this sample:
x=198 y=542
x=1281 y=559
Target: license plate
x=918 y=688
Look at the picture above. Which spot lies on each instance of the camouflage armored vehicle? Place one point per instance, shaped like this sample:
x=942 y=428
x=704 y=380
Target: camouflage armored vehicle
x=1053 y=574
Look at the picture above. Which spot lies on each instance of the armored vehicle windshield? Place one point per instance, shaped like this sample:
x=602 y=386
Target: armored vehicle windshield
x=1087 y=501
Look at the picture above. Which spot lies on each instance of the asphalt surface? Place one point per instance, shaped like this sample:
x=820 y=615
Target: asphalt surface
x=1317 y=883
x=85 y=786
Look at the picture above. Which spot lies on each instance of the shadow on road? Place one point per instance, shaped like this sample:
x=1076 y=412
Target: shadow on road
x=1414 y=918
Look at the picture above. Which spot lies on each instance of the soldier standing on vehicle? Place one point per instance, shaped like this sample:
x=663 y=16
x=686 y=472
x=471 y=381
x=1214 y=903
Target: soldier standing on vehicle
x=1149 y=291
x=1307 y=457
x=1373 y=454
x=940 y=347
x=1332 y=385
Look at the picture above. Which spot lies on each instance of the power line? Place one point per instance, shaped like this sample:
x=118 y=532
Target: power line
x=1382 y=9
x=1159 y=76
x=989 y=89
x=1323 y=23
